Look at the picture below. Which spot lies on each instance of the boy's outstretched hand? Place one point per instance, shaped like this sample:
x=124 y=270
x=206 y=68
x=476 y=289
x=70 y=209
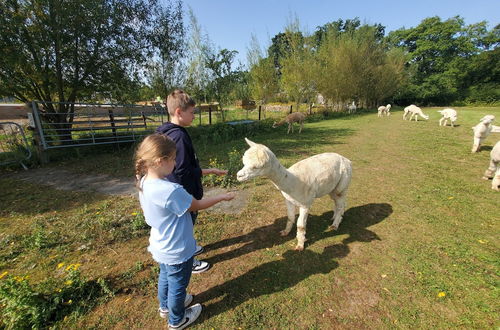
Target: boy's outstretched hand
x=215 y=171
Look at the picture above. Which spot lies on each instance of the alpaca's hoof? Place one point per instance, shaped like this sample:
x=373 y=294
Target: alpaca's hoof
x=486 y=178
x=299 y=248
x=284 y=233
x=333 y=227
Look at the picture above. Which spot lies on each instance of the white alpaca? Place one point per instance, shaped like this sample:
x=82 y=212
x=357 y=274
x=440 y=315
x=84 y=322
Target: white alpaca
x=481 y=131
x=351 y=108
x=414 y=111
x=493 y=170
x=450 y=114
x=296 y=117
x=384 y=110
x=314 y=177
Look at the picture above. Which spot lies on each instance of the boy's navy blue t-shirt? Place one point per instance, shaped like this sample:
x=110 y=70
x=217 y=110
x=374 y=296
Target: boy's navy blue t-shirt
x=187 y=171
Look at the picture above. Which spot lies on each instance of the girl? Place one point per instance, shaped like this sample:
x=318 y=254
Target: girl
x=167 y=208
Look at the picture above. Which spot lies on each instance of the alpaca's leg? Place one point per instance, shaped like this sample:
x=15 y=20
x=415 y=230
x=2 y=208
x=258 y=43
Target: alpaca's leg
x=441 y=122
x=490 y=172
x=339 y=195
x=476 y=145
x=301 y=125
x=301 y=228
x=411 y=116
x=496 y=180
x=290 y=210
x=452 y=123
x=289 y=127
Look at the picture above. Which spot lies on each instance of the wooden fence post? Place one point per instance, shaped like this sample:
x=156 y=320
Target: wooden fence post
x=291 y=109
x=199 y=110
x=310 y=109
x=210 y=115
x=260 y=109
x=112 y=121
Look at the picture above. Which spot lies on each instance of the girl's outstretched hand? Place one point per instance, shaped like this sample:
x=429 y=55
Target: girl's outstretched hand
x=228 y=196
x=215 y=171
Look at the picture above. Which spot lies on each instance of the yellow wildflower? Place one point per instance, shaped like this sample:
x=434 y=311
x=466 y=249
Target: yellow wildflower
x=134 y=213
x=97 y=213
x=441 y=294
x=59 y=265
x=68 y=282
x=482 y=242
x=3 y=274
x=451 y=197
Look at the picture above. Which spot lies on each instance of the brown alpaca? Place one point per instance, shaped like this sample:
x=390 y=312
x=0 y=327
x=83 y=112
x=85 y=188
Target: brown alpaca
x=296 y=117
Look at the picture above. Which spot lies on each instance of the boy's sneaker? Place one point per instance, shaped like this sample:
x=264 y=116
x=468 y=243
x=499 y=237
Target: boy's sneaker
x=200 y=266
x=199 y=250
x=190 y=316
x=164 y=312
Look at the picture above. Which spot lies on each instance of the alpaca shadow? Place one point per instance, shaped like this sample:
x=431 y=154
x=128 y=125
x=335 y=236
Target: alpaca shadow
x=485 y=148
x=355 y=221
x=294 y=267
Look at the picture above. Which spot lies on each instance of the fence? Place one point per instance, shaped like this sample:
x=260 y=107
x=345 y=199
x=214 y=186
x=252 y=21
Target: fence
x=62 y=124
x=13 y=144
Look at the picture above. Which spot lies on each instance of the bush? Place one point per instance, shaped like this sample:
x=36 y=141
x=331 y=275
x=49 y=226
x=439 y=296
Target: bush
x=225 y=181
x=34 y=306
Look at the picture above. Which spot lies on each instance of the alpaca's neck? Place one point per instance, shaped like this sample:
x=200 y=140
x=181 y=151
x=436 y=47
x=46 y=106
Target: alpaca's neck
x=285 y=180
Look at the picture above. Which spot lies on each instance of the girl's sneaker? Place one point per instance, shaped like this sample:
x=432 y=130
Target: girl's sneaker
x=199 y=249
x=187 y=301
x=200 y=266
x=190 y=316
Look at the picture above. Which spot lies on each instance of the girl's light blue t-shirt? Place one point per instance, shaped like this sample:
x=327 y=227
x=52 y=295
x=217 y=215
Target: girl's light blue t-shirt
x=165 y=205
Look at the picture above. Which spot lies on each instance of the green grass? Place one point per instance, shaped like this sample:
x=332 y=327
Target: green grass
x=420 y=221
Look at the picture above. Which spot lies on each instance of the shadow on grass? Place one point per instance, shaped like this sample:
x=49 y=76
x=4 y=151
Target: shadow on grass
x=294 y=267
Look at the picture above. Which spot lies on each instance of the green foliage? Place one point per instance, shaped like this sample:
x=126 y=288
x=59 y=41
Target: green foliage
x=448 y=60
x=26 y=305
x=232 y=166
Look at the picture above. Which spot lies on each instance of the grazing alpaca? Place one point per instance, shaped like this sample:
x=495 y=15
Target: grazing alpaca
x=450 y=114
x=493 y=170
x=384 y=110
x=414 y=111
x=296 y=117
x=311 y=178
x=481 y=131
x=351 y=108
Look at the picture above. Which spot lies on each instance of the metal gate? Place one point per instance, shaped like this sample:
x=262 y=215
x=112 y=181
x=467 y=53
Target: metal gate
x=13 y=144
x=62 y=124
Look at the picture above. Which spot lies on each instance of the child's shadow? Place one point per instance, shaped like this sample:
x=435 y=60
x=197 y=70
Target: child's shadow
x=276 y=276
x=355 y=221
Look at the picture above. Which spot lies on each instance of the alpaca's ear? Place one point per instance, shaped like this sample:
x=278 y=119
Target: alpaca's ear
x=250 y=143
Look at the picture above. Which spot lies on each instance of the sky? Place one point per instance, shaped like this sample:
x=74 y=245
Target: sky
x=230 y=23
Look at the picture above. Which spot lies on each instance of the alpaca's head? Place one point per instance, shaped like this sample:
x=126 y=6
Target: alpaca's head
x=256 y=161
x=488 y=119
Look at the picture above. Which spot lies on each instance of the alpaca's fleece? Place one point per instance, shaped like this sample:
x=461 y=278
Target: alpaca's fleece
x=481 y=131
x=450 y=114
x=493 y=170
x=415 y=112
x=306 y=180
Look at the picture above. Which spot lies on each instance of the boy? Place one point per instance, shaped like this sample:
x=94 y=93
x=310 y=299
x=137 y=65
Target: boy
x=187 y=171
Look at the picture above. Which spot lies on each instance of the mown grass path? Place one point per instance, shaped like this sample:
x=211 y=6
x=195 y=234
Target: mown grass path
x=417 y=248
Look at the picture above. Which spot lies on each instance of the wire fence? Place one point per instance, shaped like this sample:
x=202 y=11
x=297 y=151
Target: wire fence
x=14 y=146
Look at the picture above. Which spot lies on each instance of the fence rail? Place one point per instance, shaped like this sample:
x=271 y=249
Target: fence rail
x=63 y=124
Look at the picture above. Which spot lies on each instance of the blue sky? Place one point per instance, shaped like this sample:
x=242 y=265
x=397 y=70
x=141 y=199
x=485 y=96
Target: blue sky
x=229 y=24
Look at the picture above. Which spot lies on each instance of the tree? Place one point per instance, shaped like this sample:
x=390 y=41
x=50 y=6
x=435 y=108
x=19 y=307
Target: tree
x=263 y=77
x=440 y=53
x=63 y=51
x=168 y=40
x=223 y=76
x=198 y=75
x=299 y=67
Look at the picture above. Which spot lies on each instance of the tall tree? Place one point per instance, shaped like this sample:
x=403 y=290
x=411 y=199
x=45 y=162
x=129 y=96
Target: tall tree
x=439 y=54
x=62 y=50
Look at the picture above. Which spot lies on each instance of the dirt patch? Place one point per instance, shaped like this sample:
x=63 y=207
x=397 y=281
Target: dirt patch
x=235 y=206
x=65 y=180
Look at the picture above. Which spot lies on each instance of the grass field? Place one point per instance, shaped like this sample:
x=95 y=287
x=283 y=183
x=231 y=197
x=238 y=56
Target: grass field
x=418 y=246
